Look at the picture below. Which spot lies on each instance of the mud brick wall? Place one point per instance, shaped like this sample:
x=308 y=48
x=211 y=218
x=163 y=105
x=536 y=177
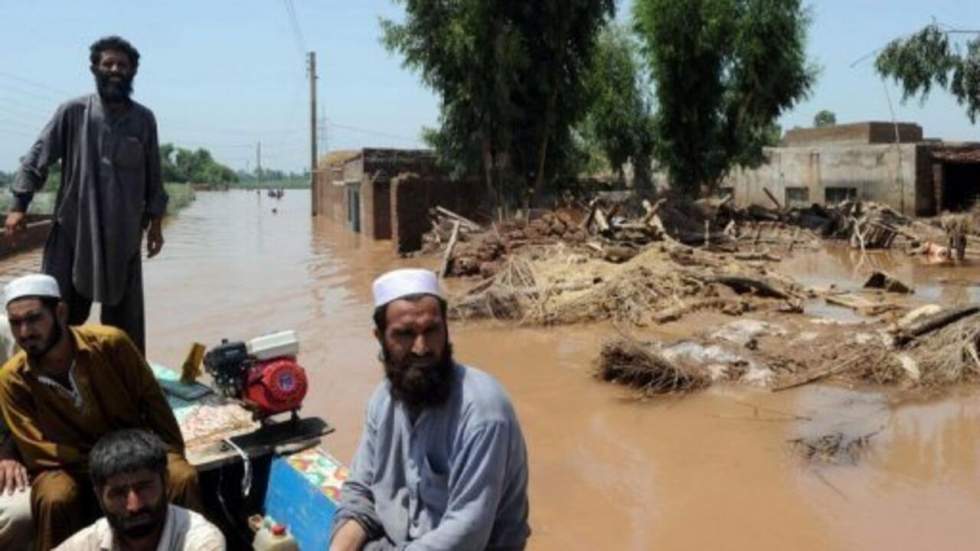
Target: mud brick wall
x=330 y=197
x=411 y=198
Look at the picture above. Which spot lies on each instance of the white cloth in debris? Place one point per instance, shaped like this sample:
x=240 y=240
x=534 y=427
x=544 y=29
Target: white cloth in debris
x=33 y=285
x=404 y=282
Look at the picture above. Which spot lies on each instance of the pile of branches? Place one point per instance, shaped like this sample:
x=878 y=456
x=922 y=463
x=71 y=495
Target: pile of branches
x=930 y=352
x=630 y=363
x=660 y=285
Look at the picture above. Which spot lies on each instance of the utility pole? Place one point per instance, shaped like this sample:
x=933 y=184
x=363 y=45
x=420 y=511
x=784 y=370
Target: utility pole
x=312 y=75
x=258 y=164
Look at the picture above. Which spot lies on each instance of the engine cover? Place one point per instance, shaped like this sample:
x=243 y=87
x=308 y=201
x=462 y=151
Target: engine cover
x=276 y=385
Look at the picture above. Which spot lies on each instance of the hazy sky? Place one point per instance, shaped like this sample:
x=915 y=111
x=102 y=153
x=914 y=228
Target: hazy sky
x=226 y=75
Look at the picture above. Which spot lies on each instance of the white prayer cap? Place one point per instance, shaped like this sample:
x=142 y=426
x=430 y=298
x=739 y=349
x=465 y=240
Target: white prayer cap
x=404 y=282
x=33 y=285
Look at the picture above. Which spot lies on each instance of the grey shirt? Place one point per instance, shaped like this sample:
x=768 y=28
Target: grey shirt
x=110 y=187
x=455 y=479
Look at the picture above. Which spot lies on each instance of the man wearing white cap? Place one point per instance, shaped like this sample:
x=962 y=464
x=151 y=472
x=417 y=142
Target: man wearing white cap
x=67 y=388
x=442 y=462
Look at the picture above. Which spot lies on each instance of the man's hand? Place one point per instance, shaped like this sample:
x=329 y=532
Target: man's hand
x=154 y=238
x=13 y=476
x=349 y=537
x=16 y=221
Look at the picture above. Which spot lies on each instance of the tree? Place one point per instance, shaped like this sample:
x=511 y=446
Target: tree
x=619 y=120
x=724 y=70
x=510 y=77
x=928 y=58
x=824 y=118
x=183 y=165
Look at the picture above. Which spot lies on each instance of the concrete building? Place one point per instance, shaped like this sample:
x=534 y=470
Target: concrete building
x=387 y=193
x=913 y=175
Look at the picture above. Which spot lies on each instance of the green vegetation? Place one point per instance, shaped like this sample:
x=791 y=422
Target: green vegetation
x=272 y=179
x=724 y=71
x=181 y=195
x=824 y=118
x=928 y=58
x=620 y=123
x=197 y=167
x=511 y=80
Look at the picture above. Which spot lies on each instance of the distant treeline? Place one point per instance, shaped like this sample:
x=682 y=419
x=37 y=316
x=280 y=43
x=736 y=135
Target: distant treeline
x=186 y=166
x=195 y=167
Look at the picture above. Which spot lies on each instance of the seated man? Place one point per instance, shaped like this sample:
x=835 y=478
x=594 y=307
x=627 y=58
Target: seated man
x=129 y=474
x=67 y=388
x=16 y=528
x=441 y=464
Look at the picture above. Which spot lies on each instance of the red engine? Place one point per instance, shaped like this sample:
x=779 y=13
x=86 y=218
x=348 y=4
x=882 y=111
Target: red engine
x=275 y=385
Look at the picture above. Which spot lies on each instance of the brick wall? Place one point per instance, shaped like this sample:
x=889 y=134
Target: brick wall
x=411 y=198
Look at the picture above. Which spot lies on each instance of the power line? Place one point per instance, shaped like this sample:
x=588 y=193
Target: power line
x=294 y=25
x=372 y=132
x=34 y=83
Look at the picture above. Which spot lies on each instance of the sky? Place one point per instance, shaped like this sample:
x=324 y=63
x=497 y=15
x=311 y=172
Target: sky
x=228 y=75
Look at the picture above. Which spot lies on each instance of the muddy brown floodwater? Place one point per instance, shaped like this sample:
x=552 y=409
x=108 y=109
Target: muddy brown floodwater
x=707 y=471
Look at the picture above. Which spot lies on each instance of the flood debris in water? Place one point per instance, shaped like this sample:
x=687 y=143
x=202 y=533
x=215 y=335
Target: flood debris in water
x=640 y=366
x=834 y=448
x=562 y=285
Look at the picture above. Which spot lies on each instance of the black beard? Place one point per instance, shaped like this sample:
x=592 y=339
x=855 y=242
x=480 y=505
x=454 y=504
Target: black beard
x=113 y=91
x=47 y=345
x=421 y=386
x=156 y=517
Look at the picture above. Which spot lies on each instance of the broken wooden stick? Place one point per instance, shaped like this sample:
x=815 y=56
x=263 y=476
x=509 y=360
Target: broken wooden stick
x=466 y=222
x=772 y=198
x=934 y=322
x=447 y=258
x=816 y=376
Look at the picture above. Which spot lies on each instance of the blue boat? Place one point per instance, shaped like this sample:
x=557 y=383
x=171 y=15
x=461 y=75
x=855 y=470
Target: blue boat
x=248 y=468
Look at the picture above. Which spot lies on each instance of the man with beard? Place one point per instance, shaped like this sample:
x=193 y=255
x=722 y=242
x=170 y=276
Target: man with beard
x=68 y=387
x=441 y=464
x=110 y=192
x=129 y=475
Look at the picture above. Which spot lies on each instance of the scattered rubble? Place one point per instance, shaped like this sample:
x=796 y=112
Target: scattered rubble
x=835 y=448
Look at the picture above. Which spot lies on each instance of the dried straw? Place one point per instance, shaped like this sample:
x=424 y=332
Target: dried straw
x=627 y=362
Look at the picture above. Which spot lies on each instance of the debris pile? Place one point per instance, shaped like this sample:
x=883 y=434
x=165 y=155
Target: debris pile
x=661 y=284
x=633 y=364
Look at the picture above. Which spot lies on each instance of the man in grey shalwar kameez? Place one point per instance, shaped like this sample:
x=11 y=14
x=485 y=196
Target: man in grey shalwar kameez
x=110 y=193
x=442 y=463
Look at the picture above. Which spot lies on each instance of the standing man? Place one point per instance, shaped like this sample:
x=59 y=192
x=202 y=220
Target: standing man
x=66 y=389
x=441 y=464
x=110 y=193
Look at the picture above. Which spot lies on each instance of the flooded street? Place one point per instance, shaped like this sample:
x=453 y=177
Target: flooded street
x=707 y=471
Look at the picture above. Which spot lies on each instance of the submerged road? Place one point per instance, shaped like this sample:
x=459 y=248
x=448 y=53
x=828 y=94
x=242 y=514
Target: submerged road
x=607 y=472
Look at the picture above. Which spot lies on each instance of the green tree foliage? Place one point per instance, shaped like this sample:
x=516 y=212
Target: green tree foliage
x=929 y=58
x=184 y=165
x=619 y=120
x=724 y=71
x=510 y=76
x=824 y=118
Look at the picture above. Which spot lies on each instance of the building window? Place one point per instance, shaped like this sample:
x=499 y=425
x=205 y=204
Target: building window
x=834 y=195
x=797 y=197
